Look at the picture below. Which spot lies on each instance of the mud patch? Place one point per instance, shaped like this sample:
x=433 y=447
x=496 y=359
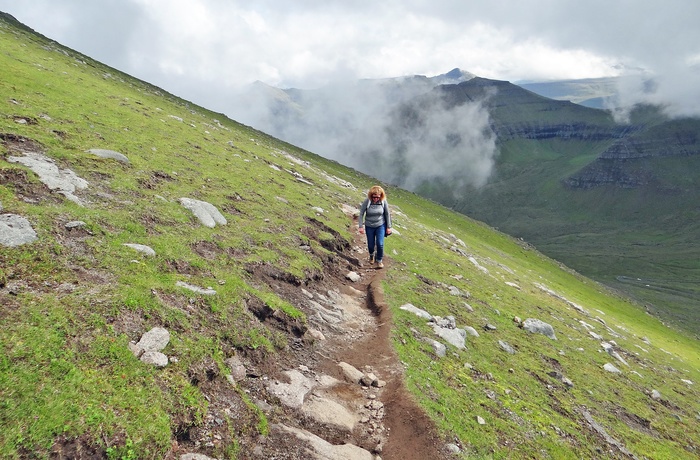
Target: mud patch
x=81 y=448
x=275 y=317
x=206 y=249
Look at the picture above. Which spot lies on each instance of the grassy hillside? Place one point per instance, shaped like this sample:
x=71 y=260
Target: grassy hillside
x=614 y=235
x=71 y=301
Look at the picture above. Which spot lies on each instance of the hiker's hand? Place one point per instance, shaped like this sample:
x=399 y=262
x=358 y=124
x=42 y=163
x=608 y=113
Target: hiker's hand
x=388 y=231
x=362 y=230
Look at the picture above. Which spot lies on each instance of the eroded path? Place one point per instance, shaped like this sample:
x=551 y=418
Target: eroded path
x=343 y=396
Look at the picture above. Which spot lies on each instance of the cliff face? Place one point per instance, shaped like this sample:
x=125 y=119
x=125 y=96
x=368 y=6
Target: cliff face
x=518 y=114
x=629 y=162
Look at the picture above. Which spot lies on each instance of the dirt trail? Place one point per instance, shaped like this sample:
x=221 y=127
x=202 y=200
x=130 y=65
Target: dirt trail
x=412 y=435
x=314 y=409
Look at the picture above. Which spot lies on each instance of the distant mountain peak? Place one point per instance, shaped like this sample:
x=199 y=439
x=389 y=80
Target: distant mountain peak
x=453 y=77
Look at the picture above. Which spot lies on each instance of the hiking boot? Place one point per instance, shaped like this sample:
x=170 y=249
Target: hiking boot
x=380 y=264
x=371 y=259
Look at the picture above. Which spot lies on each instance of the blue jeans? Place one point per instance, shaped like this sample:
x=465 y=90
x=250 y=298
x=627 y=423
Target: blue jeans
x=375 y=237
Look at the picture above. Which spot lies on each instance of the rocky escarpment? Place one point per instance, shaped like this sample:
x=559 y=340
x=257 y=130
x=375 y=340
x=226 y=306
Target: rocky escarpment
x=632 y=160
x=581 y=131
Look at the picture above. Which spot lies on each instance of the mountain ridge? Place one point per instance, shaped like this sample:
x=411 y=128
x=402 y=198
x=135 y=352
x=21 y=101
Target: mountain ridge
x=481 y=135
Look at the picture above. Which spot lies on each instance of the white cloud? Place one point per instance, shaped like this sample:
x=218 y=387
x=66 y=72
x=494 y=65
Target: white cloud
x=185 y=45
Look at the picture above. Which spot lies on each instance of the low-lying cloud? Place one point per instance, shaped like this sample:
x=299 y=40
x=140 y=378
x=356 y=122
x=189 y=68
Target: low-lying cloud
x=399 y=131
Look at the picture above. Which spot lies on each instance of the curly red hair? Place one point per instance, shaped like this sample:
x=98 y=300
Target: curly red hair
x=376 y=190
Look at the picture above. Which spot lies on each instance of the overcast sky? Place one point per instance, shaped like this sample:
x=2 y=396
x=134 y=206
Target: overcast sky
x=198 y=48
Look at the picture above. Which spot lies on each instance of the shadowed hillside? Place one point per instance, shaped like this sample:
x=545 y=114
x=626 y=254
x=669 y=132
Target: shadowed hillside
x=176 y=285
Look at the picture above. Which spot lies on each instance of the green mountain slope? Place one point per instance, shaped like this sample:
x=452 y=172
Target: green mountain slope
x=616 y=202
x=234 y=292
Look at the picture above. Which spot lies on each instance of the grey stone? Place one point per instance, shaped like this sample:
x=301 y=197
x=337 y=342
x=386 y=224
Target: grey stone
x=537 y=326
x=15 y=230
x=238 y=371
x=154 y=340
x=63 y=181
x=439 y=349
x=293 y=392
x=195 y=457
x=207 y=213
x=351 y=373
x=328 y=412
x=352 y=276
x=506 y=347
x=142 y=249
x=455 y=337
x=610 y=368
x=197 y=289
x=75 y=224
x=471 y=331
x=320 y=449
x=155 y=358
x=416 y=311
x=110 y=154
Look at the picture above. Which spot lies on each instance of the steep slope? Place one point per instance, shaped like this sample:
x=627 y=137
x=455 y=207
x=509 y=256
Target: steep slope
x=565 y=177
x=174 y=284
x=579 y=186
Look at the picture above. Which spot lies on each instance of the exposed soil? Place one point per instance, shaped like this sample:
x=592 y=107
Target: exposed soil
x=406 y=432
x=403 y=432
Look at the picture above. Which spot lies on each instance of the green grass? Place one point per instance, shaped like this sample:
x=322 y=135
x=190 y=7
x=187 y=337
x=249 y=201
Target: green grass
x=70 y=303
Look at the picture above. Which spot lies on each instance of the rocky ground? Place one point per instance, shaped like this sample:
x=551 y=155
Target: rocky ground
x=336 y=394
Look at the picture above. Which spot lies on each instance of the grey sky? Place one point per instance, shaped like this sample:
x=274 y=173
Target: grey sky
x=199 y=49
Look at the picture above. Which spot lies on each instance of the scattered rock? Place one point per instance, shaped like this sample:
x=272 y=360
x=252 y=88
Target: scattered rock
x=537 y=326
x=207 y=213
x=328 y=412
x=155 y=358
x=601 y=431
x=416 y=311
x=354 y=277
x=72 y=225
x=608 y=347
x=292 y=394
x=238 y=371
x=320 y=449
x=480 y=420
x=655 y=395
x=15 y=230
x=154 y=340
x=610 y=368
x=148 y=349
x=506 y=347
x=351 y=373
x=197 y=289
x=471 y=331
x=110 y=154
x=439 y=349
x=455 y=337
x=195 y=457
x=63 y=181
x=142 y=249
